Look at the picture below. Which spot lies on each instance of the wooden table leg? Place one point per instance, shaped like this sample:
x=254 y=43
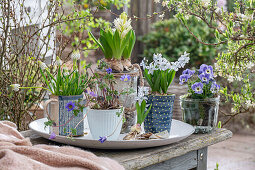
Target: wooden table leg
x=202 y=159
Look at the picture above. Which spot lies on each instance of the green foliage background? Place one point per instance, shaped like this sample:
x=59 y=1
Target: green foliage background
x=171 y=38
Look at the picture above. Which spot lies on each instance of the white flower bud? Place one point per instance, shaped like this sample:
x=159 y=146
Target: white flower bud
x=15 y=87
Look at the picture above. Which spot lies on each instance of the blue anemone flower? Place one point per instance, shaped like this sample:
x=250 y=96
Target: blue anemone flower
x=125 y=77
x=109 y=70
x=102 y=139
x=197 y=87
x=52 y=135
x=70 y=106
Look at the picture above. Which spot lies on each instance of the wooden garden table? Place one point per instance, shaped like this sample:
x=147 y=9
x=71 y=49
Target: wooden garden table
x=187 y=154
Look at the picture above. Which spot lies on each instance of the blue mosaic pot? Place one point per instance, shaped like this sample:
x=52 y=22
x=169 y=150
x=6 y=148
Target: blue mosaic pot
x=60 y=114
x=159 y=118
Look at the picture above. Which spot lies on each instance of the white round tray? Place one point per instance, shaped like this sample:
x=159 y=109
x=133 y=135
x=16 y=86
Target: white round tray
x=179 y=131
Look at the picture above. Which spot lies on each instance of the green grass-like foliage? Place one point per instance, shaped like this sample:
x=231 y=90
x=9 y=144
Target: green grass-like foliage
x=160 y=80
x=65 y=85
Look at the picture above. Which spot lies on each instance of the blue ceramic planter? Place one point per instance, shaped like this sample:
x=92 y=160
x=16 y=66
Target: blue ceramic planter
x=159 y=118
x=64 y=115
x=60 y=114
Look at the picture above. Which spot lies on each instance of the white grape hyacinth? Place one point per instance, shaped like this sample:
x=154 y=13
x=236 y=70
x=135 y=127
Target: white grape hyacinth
x=76 y=55
x=142 y=91
x=59 y=61
x=15 y=87
x=42 y=65
x=160 y=63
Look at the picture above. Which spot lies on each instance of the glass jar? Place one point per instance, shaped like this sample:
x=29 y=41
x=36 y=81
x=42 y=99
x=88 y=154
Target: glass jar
x=200 y=113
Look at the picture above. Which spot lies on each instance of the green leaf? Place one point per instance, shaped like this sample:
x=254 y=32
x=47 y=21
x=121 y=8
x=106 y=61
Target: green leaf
x=96 y=41
x=74 y=131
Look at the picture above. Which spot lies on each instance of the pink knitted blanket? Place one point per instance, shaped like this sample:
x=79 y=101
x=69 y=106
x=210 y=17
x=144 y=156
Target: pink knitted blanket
x=16 y=152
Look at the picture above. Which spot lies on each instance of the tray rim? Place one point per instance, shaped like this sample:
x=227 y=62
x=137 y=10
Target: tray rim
x=110 y=144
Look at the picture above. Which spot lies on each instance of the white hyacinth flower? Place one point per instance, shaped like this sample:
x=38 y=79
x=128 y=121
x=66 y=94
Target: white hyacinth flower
x=76 y=55
x=15 y=87
x=122 y=25
x=42 y=65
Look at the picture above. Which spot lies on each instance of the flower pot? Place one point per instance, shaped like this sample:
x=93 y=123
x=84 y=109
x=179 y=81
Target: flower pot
x=65 y=120
x=105 y=123
x=129 y=102
x=159 y=118
x=201 y=113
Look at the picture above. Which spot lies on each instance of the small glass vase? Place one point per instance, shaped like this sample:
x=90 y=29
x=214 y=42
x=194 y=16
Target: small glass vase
x=200 y=113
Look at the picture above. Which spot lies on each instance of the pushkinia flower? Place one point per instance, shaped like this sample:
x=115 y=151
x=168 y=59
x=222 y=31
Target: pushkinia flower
x=197 y=87
x=42 y=65
x=109 y=70
x=189 y=72
x=76 y=55
x=142 y=91
x=70 y=106
x=93 y=94
x=15 y=87
x=102 y=139
x=125 y=77
x=184 y=78
x=214 y=87
x=52 y=135
x=204 y=78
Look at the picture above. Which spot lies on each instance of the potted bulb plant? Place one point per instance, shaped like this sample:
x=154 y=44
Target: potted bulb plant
x=105 y=115
x=159 y=75
x=117 y=44
x=66 y=98
x=201 y=104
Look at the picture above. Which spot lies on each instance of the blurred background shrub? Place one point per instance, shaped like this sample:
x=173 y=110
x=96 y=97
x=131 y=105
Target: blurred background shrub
x=171 y=38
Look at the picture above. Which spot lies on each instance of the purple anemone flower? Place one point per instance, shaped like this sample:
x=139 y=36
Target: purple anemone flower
x=93 y=94
x=189 y=72
x=215 y=87
x=184 y=78
x=102 y=139
x=204 y=78
x=206 y=69
x=52 y=135
x=197 y=87
x=109 y=70
x=70 y=106
x=125 y=77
